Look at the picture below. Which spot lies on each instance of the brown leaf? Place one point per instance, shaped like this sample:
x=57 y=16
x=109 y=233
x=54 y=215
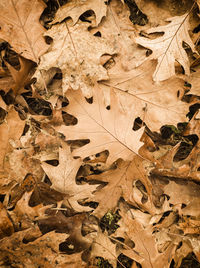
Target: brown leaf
x=21 y=77
x=168 y=48
x=75 y=11
x=21 y=28
x=63 y=178
x=107 y=129
x=120 y=184
x=6 y=226
x=10 y=130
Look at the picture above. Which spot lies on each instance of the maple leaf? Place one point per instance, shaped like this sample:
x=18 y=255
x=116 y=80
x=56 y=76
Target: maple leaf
x=106 y=129
x=77 y=53
x=63 y=176
x=19 y=25
x=169 y=48
x=70 y=9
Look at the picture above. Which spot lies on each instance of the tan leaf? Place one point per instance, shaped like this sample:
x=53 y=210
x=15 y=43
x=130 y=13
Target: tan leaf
x=107 y=129
x=158 y=104
x=103 y=247
x=75 y=10
x=77 y=53
x=20 y=27
x=145 y=251
x=11 y=129
x=63 y=178
x=168 y=48
x=120 y=184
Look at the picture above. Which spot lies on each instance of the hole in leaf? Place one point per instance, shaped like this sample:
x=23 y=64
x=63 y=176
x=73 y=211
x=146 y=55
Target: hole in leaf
x=124 y=261
x=137 y=124
x=192 y=110
x=86 y=15
x=48 y=40
x=89 y=100
x=98 y=34
x=183 y=205
x=47 y=180
x=2 y=197
x=53 y=162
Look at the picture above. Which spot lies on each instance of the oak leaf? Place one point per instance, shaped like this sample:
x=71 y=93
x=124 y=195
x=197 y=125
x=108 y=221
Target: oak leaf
x=70 y=9
x=63 y=176
x=120 y=184
x=20 y=26
x=145 y=250
x=157 y=104
x=11 y=129
x=107 y=129
x=77 y=53
x=168 y=48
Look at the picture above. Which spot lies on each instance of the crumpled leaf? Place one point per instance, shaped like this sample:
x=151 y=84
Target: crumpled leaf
x=107 y=129
x=169 y=48
x=63 y=176
x=76 y=10
x=77 y=53
x=19 y=25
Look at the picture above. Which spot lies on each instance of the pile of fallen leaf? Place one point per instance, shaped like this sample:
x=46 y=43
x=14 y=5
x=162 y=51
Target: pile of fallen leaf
x=99 y=133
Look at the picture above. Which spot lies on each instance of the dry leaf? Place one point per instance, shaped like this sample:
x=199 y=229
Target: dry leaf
x=77 y=53
x=20 y=27
x=120 y=184
x=20 y=77
x=168 y=48
x=75 y=10
x=63 y=176
x=107 y=129
x=11 y=129
x=157 y=104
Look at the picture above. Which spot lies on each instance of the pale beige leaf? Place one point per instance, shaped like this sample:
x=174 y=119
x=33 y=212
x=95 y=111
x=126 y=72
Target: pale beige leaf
x=145 y=251
x=75 y=9
x=20 y=26
x=168 y=48
x=157 y=104
x=103 y=247
x=11 y=130
x=106 y=129
x=63 y=176
x=77 y=53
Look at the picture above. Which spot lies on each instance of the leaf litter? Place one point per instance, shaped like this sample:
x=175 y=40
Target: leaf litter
x=99 y=134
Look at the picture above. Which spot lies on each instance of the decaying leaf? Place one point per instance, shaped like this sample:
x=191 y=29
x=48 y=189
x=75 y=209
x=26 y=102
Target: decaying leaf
x=20 y=27
x=77 y=53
